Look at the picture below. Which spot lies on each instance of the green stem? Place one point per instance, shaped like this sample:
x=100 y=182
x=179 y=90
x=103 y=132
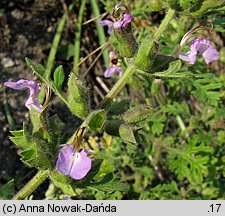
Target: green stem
x=180 y=122
x=100 y=31
x=117 y=87
x=164 y=24
x=31 y=185
x=78 y=38
x=55 y=44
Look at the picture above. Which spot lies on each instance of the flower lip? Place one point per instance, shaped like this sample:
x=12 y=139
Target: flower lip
x=114 y=66
x=73 y=163
x=127 y=19
x=108 y=23
x=32 y=101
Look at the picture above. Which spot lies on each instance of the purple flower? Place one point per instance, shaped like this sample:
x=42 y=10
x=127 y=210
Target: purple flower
x=113 y=69
x=34 y=88
x=108 y=23
x=127 y=18
x=114 y=66
x=201 y=47
x=72 y=163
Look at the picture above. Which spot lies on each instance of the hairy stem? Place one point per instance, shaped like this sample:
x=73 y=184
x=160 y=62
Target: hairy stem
x=100 y=31
x=117 y=87
x=164 y=24
x=31 y=185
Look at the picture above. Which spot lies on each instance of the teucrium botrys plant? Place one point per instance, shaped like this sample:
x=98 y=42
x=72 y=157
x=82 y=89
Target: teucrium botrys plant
x=42 y=141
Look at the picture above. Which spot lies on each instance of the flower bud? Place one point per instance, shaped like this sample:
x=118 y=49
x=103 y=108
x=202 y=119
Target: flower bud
x=146 y=53
x=126 y=44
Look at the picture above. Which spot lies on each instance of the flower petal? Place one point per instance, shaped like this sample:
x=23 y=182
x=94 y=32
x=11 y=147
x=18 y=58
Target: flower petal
x=65 y=159
x=200 y=47
x=188 y=57
x=20 y=84
x=127 y=18
x=81 y=165
x=211 y=54
x=113 y=69
x=34 y=88
x=105 y=22
x=108 y=23
x=109 y=72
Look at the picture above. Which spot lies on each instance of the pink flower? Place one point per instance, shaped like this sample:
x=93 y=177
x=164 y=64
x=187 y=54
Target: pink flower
x=72 y=163
x=113 y=69
x=201 y=47
x=114 y=66
x=108 y=23
x=127 y=18
x=32 y=101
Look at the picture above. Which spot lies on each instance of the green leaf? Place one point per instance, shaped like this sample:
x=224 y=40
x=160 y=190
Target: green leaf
x=174 y=67
x=97 y=121
x=112 y=127
x=29 y=157
x=66 y=188
x=157 y=128
x=78 y=96
x=145 y=56
x=158 y=122
x=17 y=133
x=46 y=77
x=110 y=185
x=190 y=163
x=21 y=138
x=7 y=191
x=20 y=141
x=96 y=164
x=208 y=90
x=136 y=114
x=63 y=182
x=127 y=134
x=177 y=109
x=59 y=77
x=37 y=68
x=118 y=108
